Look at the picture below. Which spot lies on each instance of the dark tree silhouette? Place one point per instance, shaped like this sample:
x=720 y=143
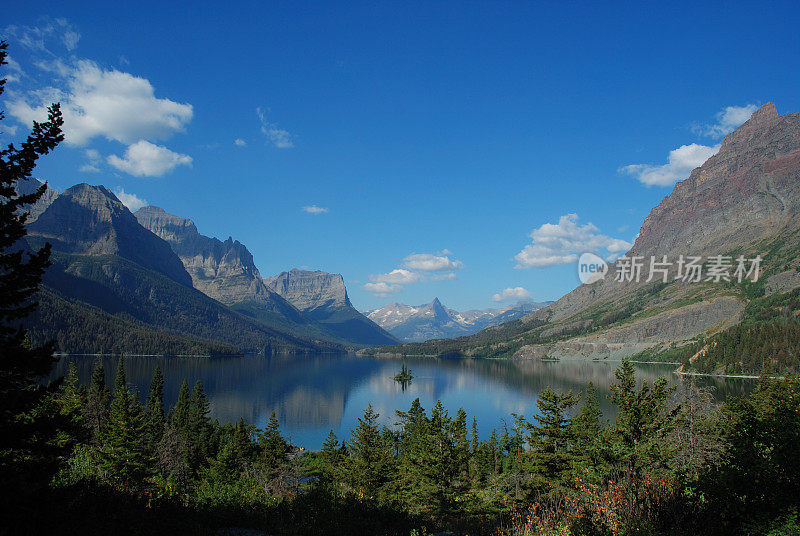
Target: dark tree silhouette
x=21 y=270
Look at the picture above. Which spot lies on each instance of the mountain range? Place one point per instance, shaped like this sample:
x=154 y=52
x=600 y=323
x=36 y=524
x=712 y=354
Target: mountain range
x=435 y=321
x=744 y=200
x=151 y=283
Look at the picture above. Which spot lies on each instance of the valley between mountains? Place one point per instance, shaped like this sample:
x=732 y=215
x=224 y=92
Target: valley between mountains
x=150 y=283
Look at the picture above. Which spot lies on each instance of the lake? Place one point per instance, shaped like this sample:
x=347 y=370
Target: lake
x=314 y=394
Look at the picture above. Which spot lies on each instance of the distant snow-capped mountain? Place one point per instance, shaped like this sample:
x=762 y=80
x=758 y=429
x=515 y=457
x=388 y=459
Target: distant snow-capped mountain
x=435 y=321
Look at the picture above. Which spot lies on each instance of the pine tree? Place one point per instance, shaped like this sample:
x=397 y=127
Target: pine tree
x=551 y=439
x=273 y=446
x=370 y=457
x=125 y=451
x=642 y=417
x=154 y=409
x=332 y=457
x=180 y=413
x=198 y=427
x=95 y=413
x=585 y=428
x=22 y=450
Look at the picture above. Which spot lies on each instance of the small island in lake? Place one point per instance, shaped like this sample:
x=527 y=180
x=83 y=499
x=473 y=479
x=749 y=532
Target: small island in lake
x=404 y=375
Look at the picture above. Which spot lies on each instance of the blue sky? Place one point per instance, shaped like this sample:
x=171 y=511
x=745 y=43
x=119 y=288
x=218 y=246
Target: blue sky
x=456 y=150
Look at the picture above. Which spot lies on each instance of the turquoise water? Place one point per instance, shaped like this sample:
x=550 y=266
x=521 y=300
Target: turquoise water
x=314 y=394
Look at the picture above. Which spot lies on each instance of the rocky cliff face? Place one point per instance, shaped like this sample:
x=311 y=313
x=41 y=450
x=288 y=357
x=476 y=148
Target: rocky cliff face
x=90 y=220
x=309 y=291
x=313 y=304
x=224 y=271
x=322 y=297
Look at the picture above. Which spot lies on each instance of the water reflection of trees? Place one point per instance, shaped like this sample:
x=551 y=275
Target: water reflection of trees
x=313 y=392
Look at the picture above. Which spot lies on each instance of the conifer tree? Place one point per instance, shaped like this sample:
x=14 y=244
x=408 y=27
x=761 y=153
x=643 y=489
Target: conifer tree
x=154 y=409
x=370 y=457
x=95 y=413
x=551 y=438
x=21 y=364
x=272 y=444
x=181 y=411
x=642 y=416
x=125 y=450
x=198 y=427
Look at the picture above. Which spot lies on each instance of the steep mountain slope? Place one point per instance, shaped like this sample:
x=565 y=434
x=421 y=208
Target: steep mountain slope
x=28 y=186
x=226 y=272
x=90 y=220
x=322 y=297
x=435 y=321
x=117 y=279
x=743 y=200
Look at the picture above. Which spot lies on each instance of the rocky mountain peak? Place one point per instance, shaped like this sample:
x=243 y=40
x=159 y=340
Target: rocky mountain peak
x=91 y=220
x=307 y=290
x=765 y=113
x=28 y=186
x=224 y=271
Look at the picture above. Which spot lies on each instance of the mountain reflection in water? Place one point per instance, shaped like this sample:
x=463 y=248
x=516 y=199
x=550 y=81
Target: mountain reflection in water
x=313 y=394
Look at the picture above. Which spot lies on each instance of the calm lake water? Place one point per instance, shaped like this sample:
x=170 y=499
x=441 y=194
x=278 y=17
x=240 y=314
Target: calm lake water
x=314 y=394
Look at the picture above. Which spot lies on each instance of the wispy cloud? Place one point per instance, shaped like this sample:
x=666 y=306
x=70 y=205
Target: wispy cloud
x=563 y=242
x=276 y=136
x=429 y=262
x=416 y=267
x=382 y=290
x=727 y=120
x=48 y=34
x=314 y=209
x=132 y=201
x=515 y=293
x=239 y=142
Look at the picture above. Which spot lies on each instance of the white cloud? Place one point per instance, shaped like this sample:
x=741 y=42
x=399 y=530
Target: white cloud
x=417 y=267
x=239 y=142
x=276 y=136
x=382 y=290
x=684 y=159
x=728 y=120
x=145 y=159
x=98 y=102
x=132 y=201
x=89 y=168
x=680 y=163
x=516 y=293
x=314 y=209
x=397 y=276
x=563 y=242
x=428 y=262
